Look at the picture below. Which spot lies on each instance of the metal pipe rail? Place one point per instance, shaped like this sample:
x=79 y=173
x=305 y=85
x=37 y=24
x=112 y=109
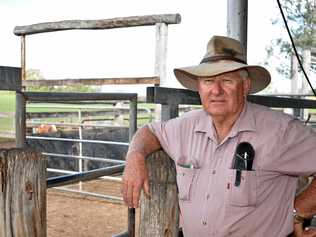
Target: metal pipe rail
x=84 y=176
x=103 y=196
x=85 y=158
x=77 y=140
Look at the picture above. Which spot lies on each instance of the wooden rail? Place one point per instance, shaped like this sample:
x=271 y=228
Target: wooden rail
x=92 y=81
x=23 y=193
x=97 y=24
x=10 y=78
x=171 y=98
x=49 y=97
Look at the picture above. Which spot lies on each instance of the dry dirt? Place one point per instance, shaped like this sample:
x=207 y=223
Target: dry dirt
x=71 y=214
x=78 y=215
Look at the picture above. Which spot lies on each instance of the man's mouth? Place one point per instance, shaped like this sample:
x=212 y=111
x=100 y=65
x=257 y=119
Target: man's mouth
x=217 y=101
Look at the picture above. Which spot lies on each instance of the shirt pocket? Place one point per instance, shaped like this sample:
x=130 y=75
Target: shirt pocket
x=186 y=177
x=246 y=193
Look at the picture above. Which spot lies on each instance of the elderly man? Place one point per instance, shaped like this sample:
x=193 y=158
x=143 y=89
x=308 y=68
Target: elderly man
x=237 y=163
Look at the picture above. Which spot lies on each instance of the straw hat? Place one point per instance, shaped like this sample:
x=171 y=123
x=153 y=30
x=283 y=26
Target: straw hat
x=223 y=55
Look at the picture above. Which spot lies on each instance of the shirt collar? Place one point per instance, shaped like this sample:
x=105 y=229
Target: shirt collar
x=245 y=122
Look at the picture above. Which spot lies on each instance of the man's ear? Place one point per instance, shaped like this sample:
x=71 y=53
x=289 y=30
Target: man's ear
x=246 y=86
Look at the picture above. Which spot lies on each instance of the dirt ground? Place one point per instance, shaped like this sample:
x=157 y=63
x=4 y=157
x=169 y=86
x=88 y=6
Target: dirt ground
x=71 y=214
x=79 y=215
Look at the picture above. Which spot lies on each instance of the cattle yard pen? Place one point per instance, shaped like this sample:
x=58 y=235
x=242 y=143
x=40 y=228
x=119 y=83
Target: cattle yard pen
x=161 y=168
x=89 y=97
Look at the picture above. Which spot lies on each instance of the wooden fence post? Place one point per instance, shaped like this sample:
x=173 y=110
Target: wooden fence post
x=159 y=215
x=22 y=194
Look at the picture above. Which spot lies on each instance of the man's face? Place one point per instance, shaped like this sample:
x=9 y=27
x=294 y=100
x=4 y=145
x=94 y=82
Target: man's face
x=223 y=95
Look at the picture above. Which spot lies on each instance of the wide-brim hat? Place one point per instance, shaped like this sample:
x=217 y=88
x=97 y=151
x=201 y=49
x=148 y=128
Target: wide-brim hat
x=223 y=55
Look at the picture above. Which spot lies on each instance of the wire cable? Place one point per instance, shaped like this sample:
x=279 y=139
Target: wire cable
x=294 y=47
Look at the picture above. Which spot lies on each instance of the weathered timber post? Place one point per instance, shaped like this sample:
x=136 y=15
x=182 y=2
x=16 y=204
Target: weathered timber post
x=159 y=215
x=22 y=194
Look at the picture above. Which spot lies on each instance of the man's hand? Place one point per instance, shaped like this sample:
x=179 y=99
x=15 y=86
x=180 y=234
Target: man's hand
x=307 y=232
x=135 y=178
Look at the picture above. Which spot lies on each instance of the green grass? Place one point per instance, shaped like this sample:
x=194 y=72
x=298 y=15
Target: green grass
x=7 y=101
x=6 y=124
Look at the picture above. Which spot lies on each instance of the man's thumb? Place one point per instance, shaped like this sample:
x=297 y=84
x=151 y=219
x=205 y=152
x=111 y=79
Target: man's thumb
x=146 y=188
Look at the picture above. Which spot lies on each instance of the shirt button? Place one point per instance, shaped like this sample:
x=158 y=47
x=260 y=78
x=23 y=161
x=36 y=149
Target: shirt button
x=214 y=172
x=207 y=196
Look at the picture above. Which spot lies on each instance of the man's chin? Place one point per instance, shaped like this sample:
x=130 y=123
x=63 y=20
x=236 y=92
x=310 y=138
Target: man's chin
x=216 y=112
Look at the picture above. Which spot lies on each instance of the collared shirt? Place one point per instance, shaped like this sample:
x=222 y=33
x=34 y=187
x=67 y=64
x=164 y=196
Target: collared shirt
x=262 y=205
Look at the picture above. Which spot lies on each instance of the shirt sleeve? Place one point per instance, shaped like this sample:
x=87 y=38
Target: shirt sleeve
x=296 y=150
x=168 y=134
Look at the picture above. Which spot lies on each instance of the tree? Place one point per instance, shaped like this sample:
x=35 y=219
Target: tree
x=301 y=18
x=36 y=74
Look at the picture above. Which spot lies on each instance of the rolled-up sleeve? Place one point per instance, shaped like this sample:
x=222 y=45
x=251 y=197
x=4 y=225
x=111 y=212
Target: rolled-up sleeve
x=168 y=134
x=296 y=150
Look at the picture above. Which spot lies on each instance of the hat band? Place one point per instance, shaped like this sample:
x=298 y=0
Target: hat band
x=217 y=58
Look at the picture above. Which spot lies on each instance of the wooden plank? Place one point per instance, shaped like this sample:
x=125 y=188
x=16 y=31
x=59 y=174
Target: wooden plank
x=159 y=215
x=93 y=81
x=171 y=96
x=282 y=102
x=169 y=112
x=23 y=193
x=73 y=96
x=97 y=24
x=10 y=78
x=20 y=121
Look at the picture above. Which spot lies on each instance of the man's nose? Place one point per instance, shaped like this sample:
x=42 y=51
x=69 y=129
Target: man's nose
x=217 y=88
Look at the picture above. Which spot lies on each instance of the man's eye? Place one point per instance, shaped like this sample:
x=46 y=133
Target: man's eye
x=208 y=81
x=228 y=81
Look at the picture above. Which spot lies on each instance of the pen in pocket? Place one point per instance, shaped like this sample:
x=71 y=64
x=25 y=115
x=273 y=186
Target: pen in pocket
x=187 y=166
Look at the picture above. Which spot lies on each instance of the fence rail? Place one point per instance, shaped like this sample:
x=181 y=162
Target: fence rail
x=97 y=24
x=83 y=176
x=92 y=81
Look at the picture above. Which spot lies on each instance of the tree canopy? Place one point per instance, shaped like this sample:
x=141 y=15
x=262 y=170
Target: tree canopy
x=301 y=18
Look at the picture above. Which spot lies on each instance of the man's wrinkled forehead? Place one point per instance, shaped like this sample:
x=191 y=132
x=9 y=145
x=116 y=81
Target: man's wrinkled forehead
x=232 y=75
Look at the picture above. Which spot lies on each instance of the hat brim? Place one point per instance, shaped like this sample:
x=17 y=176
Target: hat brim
x=187 y=76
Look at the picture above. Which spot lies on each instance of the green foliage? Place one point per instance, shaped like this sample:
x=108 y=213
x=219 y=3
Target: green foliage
x=35 y=74
x=301 y=18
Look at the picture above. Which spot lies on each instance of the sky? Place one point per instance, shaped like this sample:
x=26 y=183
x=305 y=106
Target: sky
x=127 y=52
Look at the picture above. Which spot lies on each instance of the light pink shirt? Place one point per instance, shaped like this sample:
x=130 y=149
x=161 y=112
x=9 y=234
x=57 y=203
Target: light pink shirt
x=262 y=205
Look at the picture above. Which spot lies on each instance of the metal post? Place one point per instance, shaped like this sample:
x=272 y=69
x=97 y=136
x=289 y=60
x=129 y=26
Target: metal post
x=295 y=82
x=132 y=117
x=307 y=58
x=237 y=20
x=132 y=130
x=20 y=118
x=80 y=148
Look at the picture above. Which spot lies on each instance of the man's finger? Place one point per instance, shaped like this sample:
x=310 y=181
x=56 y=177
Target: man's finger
x=146 y=188
x=129 y=195
x=136 y=194
x=309 y=232
x=124 y=191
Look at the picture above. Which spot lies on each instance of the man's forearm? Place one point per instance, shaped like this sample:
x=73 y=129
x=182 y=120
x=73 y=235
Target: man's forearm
x=144 y=142
x=305 y=203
